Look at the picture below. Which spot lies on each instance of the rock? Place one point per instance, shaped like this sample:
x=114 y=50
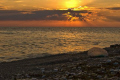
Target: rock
x=43 y=76
x=34 y=79
x=55 y=69
x=115 y=70
x=116 y=63
x=1 y=78
x=111 y=70
x=99 y=76
x=115 y=46
x=42 y=70
x=97 y=52
x=109 y=61
x=14 y=78
x=117 y=57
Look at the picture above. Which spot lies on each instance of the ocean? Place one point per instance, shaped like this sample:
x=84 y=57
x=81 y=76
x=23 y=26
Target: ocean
x=18 y=43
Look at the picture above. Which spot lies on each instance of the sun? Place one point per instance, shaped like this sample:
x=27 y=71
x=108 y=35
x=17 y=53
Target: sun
x=71 y=4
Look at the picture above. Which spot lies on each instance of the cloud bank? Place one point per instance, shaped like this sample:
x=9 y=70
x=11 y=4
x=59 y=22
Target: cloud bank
x=42 y=15
x=62 y=15
x=114 y=8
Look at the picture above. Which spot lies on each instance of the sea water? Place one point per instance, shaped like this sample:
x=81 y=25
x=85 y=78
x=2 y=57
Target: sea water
x=28 y=42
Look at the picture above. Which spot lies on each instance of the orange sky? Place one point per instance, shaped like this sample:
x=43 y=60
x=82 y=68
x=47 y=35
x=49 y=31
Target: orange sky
x=57 y=24
x=64 y=13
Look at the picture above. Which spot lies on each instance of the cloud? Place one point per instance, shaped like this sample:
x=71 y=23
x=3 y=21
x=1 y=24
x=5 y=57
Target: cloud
x=18 y=1
x=61 y=15
x=9 y=11
x=110 y=14
x=43 y=15
x=2 y=7
x=114 y=18
x=114 y=8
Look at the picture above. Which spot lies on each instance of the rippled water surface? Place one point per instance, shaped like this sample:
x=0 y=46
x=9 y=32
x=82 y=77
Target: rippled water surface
x=19 y=43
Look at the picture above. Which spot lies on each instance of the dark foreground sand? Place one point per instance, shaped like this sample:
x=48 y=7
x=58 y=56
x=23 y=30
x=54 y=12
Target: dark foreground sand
x=64 y=67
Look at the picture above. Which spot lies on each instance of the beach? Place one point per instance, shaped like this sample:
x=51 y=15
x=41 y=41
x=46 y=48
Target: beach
x=67 y=66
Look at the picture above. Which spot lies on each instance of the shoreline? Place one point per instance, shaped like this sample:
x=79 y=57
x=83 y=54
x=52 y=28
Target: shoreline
x=44 y=55
x=57 y=65
x=43 y=62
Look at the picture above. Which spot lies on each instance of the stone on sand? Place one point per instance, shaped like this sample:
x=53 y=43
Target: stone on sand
x=97 y=52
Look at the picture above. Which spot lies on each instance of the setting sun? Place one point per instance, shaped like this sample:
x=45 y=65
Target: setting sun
x=71 y=4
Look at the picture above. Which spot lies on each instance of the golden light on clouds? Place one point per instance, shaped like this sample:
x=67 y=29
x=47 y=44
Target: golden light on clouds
x=71 y=4
x=37 y=4
x=76 y=3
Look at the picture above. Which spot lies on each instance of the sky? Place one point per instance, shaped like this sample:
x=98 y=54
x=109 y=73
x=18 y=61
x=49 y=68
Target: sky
x=60 y=13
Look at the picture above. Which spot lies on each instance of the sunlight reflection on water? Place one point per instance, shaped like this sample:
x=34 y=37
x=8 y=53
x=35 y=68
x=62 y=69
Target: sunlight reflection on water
x=20 y=43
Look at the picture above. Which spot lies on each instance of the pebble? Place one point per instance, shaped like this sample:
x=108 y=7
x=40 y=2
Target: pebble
x=111 y=70
x=98 y=70
x=43 y=76
x=109 y=61
x=116 y=63
x=42 y=70
x=117 y=70
x=113 y=73
x=34 y=79
x=27 y=76
x=99 y=76
x=55 y=70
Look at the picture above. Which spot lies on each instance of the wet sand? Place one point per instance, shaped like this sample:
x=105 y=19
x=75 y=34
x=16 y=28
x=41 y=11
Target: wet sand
x=67 y=66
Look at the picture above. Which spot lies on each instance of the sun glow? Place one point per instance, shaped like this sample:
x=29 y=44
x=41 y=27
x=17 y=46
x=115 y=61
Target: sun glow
x=71 y=4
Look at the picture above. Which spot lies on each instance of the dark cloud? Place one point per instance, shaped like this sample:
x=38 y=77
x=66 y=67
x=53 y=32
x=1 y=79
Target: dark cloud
x=10 y=11
x=114 y=18
x=69 y=15
x=1 y=7
x=114 y=8
x=106 y=14
x=42 y=15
